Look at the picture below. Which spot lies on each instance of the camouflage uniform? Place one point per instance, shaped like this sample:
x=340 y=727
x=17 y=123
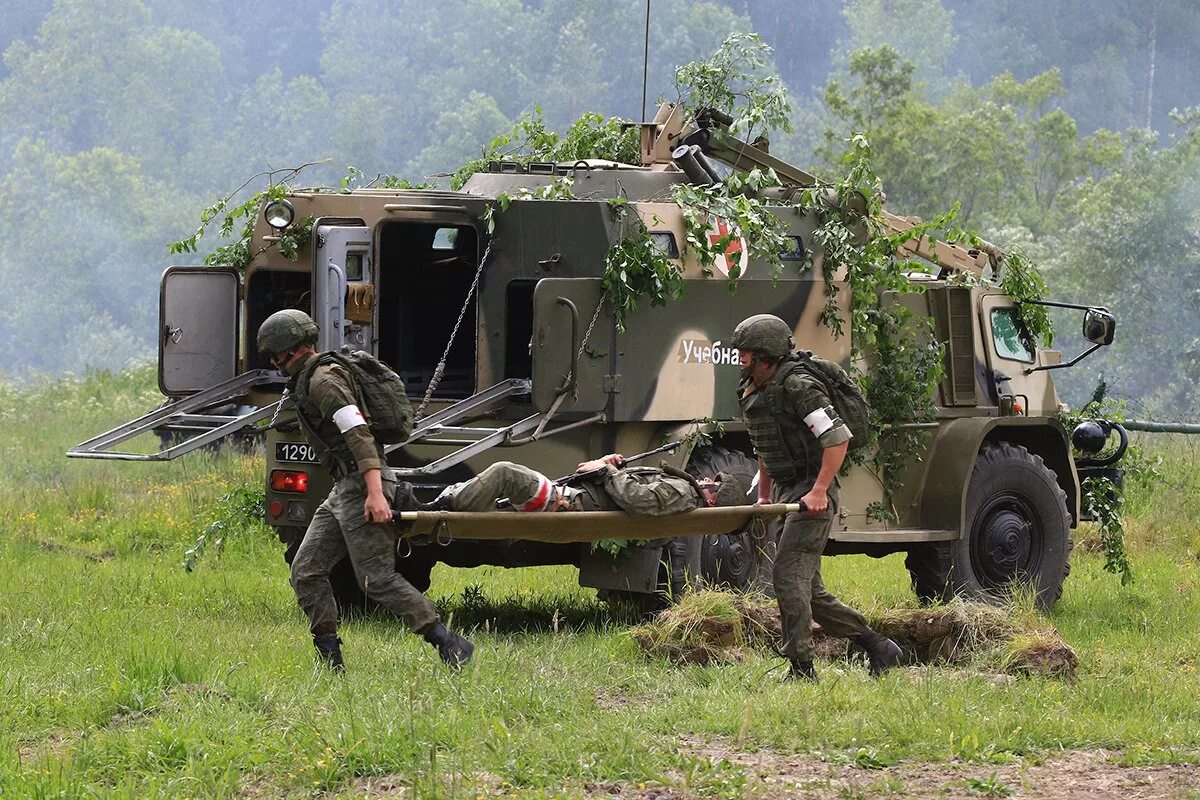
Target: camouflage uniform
x=339 y=527
x=799 y=590
x=644 y=491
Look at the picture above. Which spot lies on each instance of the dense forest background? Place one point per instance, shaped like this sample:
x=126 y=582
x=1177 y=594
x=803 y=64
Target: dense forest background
x=1060 y=127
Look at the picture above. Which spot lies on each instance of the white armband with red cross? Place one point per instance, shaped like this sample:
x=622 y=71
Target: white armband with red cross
x=820 y=421
x=348 y=417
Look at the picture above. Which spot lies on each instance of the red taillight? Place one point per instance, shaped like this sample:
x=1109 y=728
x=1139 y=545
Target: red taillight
x=286 y=481
x=274 y=508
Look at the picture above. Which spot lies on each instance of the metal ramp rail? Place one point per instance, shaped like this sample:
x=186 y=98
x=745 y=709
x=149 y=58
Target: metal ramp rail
x=439 y=429
x=183 y=415
x=435 y=429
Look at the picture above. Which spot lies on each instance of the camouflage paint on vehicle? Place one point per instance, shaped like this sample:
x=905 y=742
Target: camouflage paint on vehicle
x=671 y=368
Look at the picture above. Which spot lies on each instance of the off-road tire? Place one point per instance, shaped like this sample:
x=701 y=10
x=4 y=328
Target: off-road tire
x=1018 y=535
x=726 y=560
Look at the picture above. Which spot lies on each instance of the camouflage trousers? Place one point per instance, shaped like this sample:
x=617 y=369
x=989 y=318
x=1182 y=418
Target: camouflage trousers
x=799 y=590
x=339 y=528
x=504 y=479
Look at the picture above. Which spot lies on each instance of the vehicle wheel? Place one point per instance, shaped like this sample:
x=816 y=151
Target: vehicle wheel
x=726 y=559
x=1018 y=533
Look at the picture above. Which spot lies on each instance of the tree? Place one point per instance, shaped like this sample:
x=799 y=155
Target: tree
x=85 y=295
x=921 y=31
x=1134 y=246
x=1003 y=151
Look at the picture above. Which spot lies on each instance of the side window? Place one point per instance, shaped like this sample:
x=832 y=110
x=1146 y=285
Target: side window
x=1007 y=338
x=444 y=238
x=664 y=242
x=795 y=251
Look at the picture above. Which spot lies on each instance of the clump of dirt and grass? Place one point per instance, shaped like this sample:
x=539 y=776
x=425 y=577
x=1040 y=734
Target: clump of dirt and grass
x=712 y=626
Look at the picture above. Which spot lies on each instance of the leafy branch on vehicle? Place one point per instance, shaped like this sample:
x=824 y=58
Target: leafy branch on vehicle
x=589 y=137
x=737 y=80
x=237 y=254
x=636 y=267
x=1103 y=499
x=561 y=188
x=734 y=202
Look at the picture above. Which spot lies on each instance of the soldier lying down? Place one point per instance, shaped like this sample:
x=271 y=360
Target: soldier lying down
x=598 y=485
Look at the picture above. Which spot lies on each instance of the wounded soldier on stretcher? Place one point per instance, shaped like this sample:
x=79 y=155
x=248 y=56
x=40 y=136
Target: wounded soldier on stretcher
x=601 y=485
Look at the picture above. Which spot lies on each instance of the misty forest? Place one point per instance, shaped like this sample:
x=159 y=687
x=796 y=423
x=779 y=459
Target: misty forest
x=1066 y=130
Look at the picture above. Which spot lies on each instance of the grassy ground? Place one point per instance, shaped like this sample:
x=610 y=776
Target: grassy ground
x=125 y=675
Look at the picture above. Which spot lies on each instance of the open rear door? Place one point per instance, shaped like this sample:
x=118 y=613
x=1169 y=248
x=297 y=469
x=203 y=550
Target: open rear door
x=343 y=289
x=197 y=328
x=197 y=368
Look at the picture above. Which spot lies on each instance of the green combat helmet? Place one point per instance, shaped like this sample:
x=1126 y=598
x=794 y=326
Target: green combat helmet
x=284 y=330
x=764 y=333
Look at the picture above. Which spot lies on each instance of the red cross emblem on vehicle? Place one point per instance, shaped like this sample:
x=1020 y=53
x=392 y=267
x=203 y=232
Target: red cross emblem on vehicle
x=735 y=248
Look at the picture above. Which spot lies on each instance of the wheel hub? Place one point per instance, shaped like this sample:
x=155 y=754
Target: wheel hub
x=1004 y=546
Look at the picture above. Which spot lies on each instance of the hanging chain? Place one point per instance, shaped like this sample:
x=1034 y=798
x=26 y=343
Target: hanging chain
x=441 y=367
x=279 y=406
x=587 y=335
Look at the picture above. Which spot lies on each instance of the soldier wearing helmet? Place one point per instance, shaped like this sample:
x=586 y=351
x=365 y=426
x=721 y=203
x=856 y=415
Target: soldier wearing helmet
x=355 y=519
x=801 y=443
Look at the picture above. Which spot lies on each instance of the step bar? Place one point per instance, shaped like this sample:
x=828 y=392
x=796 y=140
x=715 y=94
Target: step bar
x=185 y=415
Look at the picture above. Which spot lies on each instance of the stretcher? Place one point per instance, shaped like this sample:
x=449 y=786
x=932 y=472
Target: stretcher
x=582 y=526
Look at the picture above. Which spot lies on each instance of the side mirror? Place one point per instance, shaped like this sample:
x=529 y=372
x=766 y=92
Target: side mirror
x=1099 y=326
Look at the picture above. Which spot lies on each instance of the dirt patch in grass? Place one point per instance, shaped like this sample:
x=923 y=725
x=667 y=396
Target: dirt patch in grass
x=767 y=774
x=482 y=784
x=47 y=749
x=71 y=550
x=711 y=627
x=1071 y=774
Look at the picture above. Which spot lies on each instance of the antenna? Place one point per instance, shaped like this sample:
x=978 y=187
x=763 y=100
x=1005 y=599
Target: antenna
x=645 y=62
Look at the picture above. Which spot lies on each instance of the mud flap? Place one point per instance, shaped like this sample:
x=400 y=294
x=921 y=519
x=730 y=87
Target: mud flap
x=634 y=570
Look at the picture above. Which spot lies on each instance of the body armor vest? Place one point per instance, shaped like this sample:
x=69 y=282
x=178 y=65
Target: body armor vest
x=321 y=433
x=787 y=448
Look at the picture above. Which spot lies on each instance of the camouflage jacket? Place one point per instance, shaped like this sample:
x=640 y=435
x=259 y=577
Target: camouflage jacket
x=327 y=390
x=643 y=491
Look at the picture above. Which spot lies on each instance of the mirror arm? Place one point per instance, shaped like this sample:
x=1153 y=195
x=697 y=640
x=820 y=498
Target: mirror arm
x=1070 y=363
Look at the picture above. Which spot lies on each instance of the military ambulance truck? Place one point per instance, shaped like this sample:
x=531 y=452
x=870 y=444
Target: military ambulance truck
x=506 y=322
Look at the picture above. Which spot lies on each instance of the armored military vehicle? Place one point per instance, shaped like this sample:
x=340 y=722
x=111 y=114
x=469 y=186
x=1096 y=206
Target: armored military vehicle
x=499 y=319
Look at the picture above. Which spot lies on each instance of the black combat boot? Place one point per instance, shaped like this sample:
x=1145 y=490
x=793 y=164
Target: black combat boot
x=329 y=650
x=802 y=671
x=404 y=499
x=454 y=649
x=443 y=502
x=882 y=652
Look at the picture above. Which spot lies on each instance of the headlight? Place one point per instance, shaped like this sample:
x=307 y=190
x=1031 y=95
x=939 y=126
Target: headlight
x=279 y=214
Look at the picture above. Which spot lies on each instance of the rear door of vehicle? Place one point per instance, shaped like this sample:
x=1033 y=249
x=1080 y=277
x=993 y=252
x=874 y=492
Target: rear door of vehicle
x=343 y=289
x=197 y=328
x=563 y=310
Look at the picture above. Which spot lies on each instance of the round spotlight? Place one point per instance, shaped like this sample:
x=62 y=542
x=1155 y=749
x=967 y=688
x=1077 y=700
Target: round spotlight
x=279 y=214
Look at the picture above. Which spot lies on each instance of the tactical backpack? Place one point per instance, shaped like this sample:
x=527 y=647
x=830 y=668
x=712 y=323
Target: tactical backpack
x=380 y=391
x=845 y=395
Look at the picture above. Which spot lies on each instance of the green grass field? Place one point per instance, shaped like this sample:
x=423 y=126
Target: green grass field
x=125 y=675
